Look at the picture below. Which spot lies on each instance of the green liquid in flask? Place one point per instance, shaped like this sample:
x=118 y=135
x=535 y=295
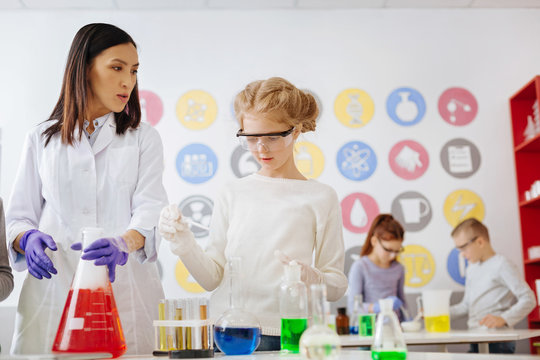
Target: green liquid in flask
x=291 y=331
x=389 y=355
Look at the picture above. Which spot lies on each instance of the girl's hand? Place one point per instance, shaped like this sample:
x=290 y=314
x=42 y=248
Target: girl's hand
x=174 y=228
x=309 y=275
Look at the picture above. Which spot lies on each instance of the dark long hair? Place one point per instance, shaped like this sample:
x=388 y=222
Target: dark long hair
x=71 y=108
x=383 y=224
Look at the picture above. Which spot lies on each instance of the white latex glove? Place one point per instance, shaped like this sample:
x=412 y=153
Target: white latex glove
x=175 y=229
x=309 y=275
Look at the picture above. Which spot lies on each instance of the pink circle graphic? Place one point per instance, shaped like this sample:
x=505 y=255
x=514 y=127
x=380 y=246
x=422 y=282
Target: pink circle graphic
x=358 y=211
x=408 y=159
x=457 y=106
x=151 y=107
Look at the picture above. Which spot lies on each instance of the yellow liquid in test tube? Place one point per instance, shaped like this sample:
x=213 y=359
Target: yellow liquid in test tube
x=439 y=323
x=162 y=333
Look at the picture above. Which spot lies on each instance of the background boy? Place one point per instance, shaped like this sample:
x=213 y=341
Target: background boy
x=495 y=295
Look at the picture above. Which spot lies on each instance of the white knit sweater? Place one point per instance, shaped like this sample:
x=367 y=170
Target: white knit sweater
x=253 y=217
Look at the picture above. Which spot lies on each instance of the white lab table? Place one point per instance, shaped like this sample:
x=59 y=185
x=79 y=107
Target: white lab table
x=345 y=355
x=480 y=337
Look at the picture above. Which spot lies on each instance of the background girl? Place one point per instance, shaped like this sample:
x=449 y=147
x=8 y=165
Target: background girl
x=377 y=274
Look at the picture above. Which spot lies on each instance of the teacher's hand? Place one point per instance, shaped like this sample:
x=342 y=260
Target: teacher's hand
x=107 y=251
x=33 y=243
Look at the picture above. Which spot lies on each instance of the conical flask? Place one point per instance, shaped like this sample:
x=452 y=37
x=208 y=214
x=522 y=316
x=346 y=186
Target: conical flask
x=388 y=343
x=319 y=342
x=236 y=331
x=90 y=321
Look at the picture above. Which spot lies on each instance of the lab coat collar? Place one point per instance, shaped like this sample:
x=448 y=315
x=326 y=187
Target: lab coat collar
x=105 y=135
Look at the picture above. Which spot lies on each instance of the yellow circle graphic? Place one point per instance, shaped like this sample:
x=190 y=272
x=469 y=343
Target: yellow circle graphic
x=463 y=204
x=354 y=108
x=184 y=279
x=419 y=265
x=309 y=159
x=196 y=109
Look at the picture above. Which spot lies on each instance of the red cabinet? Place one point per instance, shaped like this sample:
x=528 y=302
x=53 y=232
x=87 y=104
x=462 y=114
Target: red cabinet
x=526 y=136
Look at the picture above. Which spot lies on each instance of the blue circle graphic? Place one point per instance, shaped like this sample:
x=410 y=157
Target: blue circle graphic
x=406 y=106
x=356 y=160
x=456 y=267
x=196 y=163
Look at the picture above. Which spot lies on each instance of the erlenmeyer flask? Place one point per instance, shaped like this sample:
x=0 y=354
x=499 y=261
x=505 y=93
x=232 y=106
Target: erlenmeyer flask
x=319 y=342
x=90 y=321
x=236 y=331
x=388 y=343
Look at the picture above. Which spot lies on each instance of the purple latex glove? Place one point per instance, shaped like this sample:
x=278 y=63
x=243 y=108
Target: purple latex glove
x=107 y=251
x=33 y=243
x=396 y=304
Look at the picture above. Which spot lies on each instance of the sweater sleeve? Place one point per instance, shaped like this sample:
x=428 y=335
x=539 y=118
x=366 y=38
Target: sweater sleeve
x=330 y=252
x=356 y=284
x=525 y=296
x=207 y=266
x=6 y=277
x=401 y=290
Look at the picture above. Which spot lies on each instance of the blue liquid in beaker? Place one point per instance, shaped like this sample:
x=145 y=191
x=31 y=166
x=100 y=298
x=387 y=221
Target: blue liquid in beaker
x=237 y=340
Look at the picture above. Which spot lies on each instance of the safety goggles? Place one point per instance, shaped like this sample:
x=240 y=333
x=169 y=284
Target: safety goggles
x=390 y=251
x=269 y=141
x=464 y=246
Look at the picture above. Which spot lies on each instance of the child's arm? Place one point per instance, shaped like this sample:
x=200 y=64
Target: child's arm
x=356 y=284
x=523 y=293
x=461 y=309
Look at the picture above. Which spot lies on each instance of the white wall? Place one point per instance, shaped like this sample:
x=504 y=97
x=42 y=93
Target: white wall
x=491 y=53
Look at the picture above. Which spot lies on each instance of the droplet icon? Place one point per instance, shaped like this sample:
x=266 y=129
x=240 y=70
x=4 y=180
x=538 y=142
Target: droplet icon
x=359 y=216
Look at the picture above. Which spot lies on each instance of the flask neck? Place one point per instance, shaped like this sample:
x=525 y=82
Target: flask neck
x=318 y=304
x=236 y=296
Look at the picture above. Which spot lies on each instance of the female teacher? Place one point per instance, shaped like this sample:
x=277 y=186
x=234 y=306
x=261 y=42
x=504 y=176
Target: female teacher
x=91 y=164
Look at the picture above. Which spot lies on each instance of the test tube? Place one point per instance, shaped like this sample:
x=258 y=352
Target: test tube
x=196 y=338
x=179 y=312
x=203 y=312
x=162 y=334
x=170 y=308
x=189 y=334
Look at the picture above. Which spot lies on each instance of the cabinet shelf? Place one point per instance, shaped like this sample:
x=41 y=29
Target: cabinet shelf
x=532 y=261
x=531 y=203
x=529 y=145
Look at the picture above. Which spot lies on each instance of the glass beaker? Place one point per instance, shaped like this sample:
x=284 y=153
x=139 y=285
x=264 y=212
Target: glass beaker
x=236 y=331
x=319 y=342
x=90 y=322
x=388 y=343
x=436 y=309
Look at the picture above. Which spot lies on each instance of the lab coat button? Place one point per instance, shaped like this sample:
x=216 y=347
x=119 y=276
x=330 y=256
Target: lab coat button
x=86 y=211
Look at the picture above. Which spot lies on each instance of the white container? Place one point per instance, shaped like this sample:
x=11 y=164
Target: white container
x=436 y=307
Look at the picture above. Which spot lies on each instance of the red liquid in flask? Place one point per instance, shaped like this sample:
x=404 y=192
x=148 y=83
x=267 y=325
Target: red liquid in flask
x=90 y=323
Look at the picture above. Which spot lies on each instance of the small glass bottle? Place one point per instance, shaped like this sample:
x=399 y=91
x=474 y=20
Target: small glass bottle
x=388 y=343
x=236 y=331
x=319 y=342
x=293 y=308
x=342 y=321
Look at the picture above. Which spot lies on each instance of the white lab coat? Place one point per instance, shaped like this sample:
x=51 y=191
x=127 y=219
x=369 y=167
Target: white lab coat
x=115 y=184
